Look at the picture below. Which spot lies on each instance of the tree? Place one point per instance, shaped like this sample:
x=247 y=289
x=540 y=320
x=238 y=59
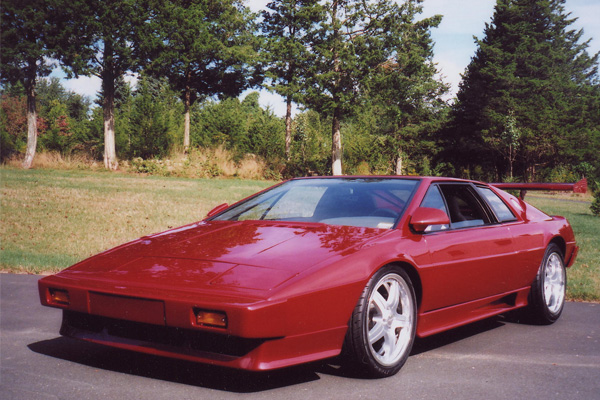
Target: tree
x=205 y=48
x=524 y=94
x=25 y=54
x=242 y=127
x=98 y=37
x=288 y=28
x=406 y=94
x=356 y=38
x=151 y=120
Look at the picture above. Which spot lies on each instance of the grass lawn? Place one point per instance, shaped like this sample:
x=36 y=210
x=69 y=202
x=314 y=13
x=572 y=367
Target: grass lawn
x=584 y=276
x=51 y=219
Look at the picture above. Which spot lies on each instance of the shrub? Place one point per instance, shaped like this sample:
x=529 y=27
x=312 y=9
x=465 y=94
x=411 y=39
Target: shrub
x=595 y=207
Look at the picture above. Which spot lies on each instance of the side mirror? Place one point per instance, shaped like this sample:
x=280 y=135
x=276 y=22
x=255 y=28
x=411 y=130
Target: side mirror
x=425 y=216
x=217 y=210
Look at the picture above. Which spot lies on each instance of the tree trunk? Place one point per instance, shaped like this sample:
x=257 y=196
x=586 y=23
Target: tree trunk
x=187 y=101
x=399 y=163
x=336 y=144
x=31 y=125
x=288 y=128
x=108 y=108
x=336 y=136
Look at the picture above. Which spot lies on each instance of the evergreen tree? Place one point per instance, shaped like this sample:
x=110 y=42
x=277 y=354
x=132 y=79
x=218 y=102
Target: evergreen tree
x=288 y=26
x=407 y=97
x=98 y=37
x=25 y=53
x=151 y=120
x=356 y=38
x=527 y=97
x=204 y=48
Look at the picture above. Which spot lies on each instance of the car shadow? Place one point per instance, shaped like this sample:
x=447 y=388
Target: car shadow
x=445 y=338
x=227 y=379
x=335 y=366
x=172 y=370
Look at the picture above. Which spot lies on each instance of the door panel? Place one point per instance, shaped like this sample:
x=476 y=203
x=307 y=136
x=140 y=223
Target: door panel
x=467 y=264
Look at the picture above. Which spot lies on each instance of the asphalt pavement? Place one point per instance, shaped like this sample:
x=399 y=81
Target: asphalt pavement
x=498 y=358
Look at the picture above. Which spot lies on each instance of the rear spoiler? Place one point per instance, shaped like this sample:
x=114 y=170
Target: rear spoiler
x=578 y=187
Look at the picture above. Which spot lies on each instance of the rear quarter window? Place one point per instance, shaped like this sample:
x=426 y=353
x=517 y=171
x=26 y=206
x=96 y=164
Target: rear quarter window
x=503 y=213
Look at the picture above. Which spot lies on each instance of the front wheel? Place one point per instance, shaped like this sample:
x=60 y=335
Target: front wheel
x=383 y=325
x=549 y=288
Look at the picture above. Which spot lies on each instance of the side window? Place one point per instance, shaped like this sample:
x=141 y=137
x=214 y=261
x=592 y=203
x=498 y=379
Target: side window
x=433 y=199
x=503 y=213
x=464 y=207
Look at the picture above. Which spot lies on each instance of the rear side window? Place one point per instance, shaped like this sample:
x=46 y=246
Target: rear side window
x=503 y=213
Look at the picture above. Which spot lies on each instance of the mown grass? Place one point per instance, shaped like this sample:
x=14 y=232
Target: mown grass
x=584 y=275
x=51 y=219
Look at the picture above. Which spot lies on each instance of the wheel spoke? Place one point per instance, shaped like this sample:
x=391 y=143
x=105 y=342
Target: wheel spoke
x=389 y=344
x=379 y=302
x=400 y=321
x=393 y=296
x=377 y=331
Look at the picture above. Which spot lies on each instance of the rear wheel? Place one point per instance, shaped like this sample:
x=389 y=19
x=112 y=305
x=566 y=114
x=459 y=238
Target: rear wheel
x=383 y=324
x=549 y=288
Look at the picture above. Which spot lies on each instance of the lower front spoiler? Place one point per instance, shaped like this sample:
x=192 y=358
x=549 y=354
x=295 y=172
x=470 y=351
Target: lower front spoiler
x=205 y=347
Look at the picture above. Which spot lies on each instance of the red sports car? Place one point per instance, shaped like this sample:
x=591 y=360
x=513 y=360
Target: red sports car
x=313 y=268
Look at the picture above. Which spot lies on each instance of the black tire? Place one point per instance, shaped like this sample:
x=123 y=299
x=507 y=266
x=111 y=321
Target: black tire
x=547 y=297
x=392 y=329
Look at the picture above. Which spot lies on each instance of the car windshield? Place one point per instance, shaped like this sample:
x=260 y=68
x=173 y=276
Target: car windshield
x=363 y=202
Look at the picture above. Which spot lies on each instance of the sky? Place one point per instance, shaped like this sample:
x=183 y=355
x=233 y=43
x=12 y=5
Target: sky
x=454 y=44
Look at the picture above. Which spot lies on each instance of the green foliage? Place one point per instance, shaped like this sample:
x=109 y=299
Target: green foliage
x=152 y=124
x=204 y=46
x=374 y=47
x=289 y=27
x=595 y=207
x=243 y=127
x=57 y=134
x=530 y=95
x=13 y=124
x=96 y=37
x=24 y=34
x=311 y=146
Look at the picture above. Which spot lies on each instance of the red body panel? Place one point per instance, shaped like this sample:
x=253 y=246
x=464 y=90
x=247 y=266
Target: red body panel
x=293 y=286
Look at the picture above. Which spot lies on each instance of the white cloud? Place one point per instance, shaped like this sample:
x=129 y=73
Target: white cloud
x=257 y=5
x=84 y=85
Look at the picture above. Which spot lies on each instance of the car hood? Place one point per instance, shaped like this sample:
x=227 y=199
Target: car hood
x=255 y=255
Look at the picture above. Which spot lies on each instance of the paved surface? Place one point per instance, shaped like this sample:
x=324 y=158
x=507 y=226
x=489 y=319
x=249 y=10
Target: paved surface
x=494 y=359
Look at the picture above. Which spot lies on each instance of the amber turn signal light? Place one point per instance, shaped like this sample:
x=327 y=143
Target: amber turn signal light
x=59 y=296
x=210 y=318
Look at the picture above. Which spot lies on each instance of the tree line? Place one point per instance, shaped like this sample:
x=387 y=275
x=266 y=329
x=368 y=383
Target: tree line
x=528 y=106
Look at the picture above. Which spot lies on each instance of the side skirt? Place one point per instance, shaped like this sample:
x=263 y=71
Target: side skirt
x=440 y=320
